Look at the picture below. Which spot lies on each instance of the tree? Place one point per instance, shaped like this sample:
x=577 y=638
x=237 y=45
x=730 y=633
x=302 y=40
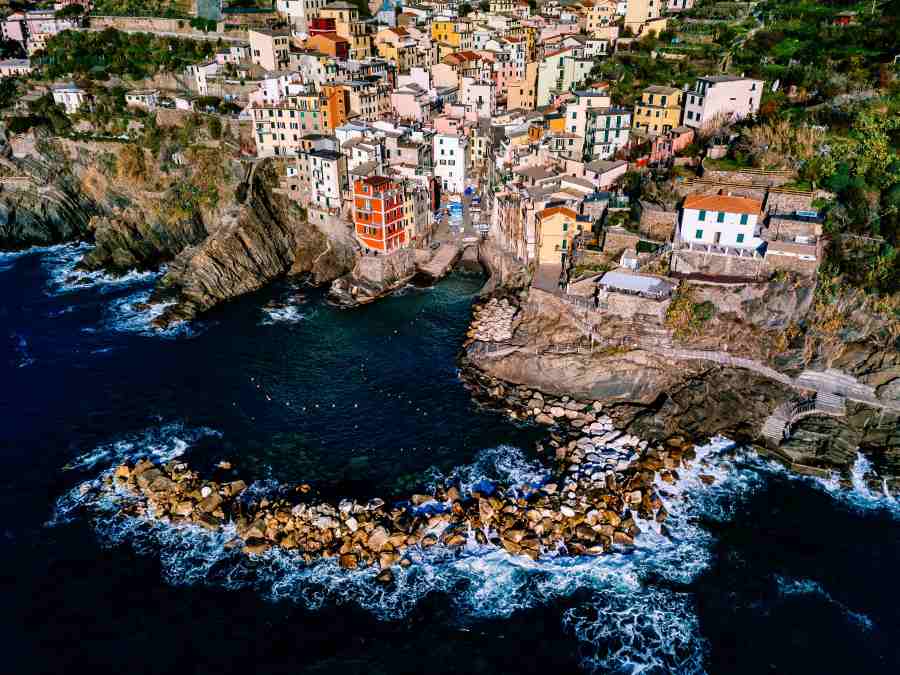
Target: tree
x=9 y=92
x=484 y=6
x=215 y=127
x=70 y=12
x=464 y=9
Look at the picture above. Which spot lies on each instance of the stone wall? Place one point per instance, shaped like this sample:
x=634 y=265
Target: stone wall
x=788 y=229
x=626 y=306
x=617 y=240
x=383 y=270
x=789 y=263
x=153 y=24
x=657 y=223
x=789 y=202
x=762 y=178
x=705 y=187
x=696 y=262
x=502 y=266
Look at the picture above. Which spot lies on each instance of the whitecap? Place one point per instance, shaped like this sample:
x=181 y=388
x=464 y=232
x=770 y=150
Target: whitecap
x=284 y=314
x=858 y=497
x=135 y=313
x=161 y=443
x=788 y=587
x=63 y=277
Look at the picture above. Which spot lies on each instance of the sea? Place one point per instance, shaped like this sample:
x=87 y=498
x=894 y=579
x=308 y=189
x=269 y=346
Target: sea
x=760 y=572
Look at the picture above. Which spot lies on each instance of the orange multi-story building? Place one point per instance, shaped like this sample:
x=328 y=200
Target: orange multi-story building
x=378 y=214
x=338 y=104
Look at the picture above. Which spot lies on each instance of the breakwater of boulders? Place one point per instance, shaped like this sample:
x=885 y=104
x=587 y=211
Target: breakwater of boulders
x=492 y=321
x=591 y=502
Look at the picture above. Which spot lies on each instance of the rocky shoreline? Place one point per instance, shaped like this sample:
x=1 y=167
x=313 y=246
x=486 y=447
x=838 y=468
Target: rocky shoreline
x=599 y=493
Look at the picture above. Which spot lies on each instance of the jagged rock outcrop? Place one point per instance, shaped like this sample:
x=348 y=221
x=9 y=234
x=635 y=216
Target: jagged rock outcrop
x=255 y=243
x=34 y=216
x=130 y=241
x=655 y=396
x=373 y=277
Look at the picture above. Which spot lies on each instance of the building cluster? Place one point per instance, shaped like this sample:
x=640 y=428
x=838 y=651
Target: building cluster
x=376 y=120
x=32 y=28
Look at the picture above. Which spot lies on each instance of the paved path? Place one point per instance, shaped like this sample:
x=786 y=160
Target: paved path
x=659 y=341
x=442 y=260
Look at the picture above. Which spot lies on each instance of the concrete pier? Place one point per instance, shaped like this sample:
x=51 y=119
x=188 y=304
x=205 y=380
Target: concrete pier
x=442 y=261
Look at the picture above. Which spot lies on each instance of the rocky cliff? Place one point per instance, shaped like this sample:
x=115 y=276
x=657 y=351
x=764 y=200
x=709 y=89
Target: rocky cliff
x=784 y=325
x=219 y=235
x=255 y=242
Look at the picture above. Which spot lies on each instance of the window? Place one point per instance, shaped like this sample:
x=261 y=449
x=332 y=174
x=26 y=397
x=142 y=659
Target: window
x=565 y=227
x=702 y=216
x=720 y=218
x=743 y=219
x=564 y=244
x=698 y=234
x=740 y=239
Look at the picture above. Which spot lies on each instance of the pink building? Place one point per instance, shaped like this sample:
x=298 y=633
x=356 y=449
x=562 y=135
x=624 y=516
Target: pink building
x=665 y=146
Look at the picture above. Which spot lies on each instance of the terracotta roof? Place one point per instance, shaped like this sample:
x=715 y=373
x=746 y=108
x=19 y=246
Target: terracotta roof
x=546 y=213
x=330 y=37
x=723 y=203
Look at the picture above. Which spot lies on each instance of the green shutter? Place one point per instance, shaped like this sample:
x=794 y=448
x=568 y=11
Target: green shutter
x=698 y=234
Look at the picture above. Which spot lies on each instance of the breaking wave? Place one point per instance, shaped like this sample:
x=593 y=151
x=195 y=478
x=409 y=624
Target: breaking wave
x=860 y=496
x=161 y=444
x=790 y=587
x=61 y=264
x=135 y=314
x=632 y=621
x=284 y=314
x=8 y=258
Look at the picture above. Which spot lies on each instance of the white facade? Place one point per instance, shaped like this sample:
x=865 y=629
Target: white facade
x=608 y=131
x=451 y=159
x=327 y=171
x=717 y=225
x=200 y=73
x=15 y=67
x=70 y=97
x=721 y=97
x=299 y=12
x=480 y=97
x=146 y=99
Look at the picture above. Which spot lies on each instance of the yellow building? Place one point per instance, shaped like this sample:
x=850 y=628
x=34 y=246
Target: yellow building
x=348 y=26
x=445 y=32
x=659 y=110
x=556 y=229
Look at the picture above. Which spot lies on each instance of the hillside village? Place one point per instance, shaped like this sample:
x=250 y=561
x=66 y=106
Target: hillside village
x=606 y=147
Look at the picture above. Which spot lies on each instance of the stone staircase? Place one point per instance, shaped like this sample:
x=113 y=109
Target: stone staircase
x=777 y=426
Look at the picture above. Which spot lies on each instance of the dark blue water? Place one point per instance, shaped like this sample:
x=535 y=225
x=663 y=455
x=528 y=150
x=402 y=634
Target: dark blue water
x=762 y=573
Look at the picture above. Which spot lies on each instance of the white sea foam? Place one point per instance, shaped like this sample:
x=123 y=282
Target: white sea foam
x=788 y=587
x=6 y=256
x=162 y=443
x=61 y=261
x=631 y=623
x=135 y=314
x=860 y=497
x=285 y=314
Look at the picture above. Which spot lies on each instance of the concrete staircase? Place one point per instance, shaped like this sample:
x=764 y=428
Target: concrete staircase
x=777 y=427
